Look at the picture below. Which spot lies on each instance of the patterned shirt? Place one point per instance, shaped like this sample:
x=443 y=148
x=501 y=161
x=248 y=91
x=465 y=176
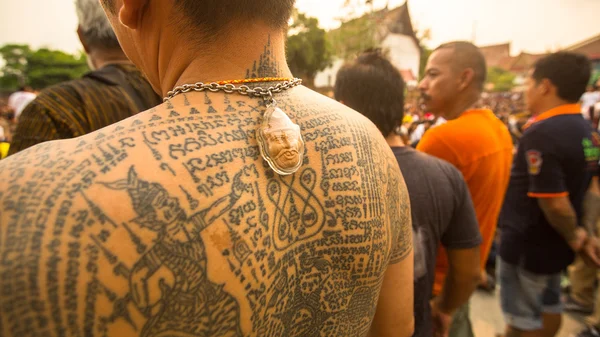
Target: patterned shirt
x=78 y=107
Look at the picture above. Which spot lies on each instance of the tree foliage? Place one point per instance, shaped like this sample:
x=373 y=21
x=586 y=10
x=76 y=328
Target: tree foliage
x=424 y=37
x=501 y=79
x=308 y=50
x=595 y=79
x=38 y=68
x=15 y=65
x=47 y=67
x=353 y=37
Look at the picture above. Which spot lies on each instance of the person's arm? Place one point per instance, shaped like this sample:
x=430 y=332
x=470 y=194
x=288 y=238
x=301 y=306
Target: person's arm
x=395 y=309
x=464 y=274
x=562 y=217
x=591 y=208
x=462 y=240
x=591 y=216
x=547 y=185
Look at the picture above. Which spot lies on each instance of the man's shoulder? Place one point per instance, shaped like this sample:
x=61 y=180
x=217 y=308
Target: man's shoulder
x=20 y=167
x=323 y=107
x=482 y=128
x=448 y=130
x=557 y=125
x=70 y=85
x=68 y=90
x=26 y=158
x=418 y=159
x=72 y=148
x=101 y=148
x=439 y=137
x=64 y=97
x=420 y=163
x=535 y=131
x=330 y=106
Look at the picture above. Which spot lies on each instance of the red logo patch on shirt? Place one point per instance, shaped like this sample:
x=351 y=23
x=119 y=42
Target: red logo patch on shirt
x=534 y=161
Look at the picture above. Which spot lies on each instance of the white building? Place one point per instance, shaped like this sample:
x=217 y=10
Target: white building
x=396 y=36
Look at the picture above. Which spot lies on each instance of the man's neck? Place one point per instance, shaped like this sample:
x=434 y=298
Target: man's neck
x=462 y=104
x=549 y=105
x=395 y=140
x=256 y=52
x=102 y=58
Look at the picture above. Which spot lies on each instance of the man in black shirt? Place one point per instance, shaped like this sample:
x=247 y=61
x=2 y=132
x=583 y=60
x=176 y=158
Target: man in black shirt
x=442 y=210
x=542 y=230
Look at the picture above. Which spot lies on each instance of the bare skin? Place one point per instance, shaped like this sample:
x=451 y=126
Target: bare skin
x=171 y=224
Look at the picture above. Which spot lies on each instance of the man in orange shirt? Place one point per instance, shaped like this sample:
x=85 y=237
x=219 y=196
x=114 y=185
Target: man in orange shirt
x=473 y=140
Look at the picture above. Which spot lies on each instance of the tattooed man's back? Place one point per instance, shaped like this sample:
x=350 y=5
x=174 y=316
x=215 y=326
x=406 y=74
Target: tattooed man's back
x=171 y=223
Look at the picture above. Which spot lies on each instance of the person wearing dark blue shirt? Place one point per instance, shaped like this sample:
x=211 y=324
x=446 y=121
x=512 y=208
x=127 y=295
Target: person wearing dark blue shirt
x=541 y=230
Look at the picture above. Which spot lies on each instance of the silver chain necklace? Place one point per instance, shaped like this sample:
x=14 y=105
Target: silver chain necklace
x=279 y=139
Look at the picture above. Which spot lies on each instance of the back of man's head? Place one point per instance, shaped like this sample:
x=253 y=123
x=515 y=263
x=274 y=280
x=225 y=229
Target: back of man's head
x=211 y=17
x=568 y=72
x=468 y=56
x=372 y=86
x=95 y=29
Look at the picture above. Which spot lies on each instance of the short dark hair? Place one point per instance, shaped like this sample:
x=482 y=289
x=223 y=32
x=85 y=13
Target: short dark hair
x=467 y=55
x=372 y=86
x=569 y=72
x=211 y=16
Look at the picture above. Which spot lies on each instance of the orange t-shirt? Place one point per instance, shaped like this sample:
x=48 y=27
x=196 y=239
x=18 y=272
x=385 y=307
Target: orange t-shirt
x=480 y=146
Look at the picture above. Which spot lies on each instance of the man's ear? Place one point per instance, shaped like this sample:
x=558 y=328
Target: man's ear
x=466 y=78
x=546 y=87
x=82 y=40
x=130 y=13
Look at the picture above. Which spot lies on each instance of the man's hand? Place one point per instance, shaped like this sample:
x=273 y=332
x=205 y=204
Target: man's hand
x=441 y=321
x=579 y=240
x=590 y=252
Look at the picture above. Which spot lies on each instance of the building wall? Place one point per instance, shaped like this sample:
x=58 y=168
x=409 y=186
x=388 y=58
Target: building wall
x=591 y=49
x=403 y=53
x=495 y=55
x=326 y=78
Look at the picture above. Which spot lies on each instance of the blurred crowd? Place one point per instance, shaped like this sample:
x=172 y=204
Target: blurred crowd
x=11 y=108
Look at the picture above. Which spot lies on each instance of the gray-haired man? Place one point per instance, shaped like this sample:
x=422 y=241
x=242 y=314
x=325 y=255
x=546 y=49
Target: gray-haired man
x=114 y=90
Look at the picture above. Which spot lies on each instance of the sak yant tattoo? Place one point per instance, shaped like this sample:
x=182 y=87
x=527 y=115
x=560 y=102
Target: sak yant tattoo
x=267 y=65
x=171 y=224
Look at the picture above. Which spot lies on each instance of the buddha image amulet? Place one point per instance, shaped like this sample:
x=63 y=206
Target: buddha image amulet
x=280 y=142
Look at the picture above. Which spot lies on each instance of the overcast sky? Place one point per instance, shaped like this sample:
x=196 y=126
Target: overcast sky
x=531 y=25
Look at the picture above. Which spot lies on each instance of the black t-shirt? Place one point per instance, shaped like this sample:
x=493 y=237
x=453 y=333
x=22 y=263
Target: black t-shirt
x=557 y=156
x=442 y=211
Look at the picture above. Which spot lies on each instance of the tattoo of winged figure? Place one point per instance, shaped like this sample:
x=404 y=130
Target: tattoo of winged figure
x=192 y=305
